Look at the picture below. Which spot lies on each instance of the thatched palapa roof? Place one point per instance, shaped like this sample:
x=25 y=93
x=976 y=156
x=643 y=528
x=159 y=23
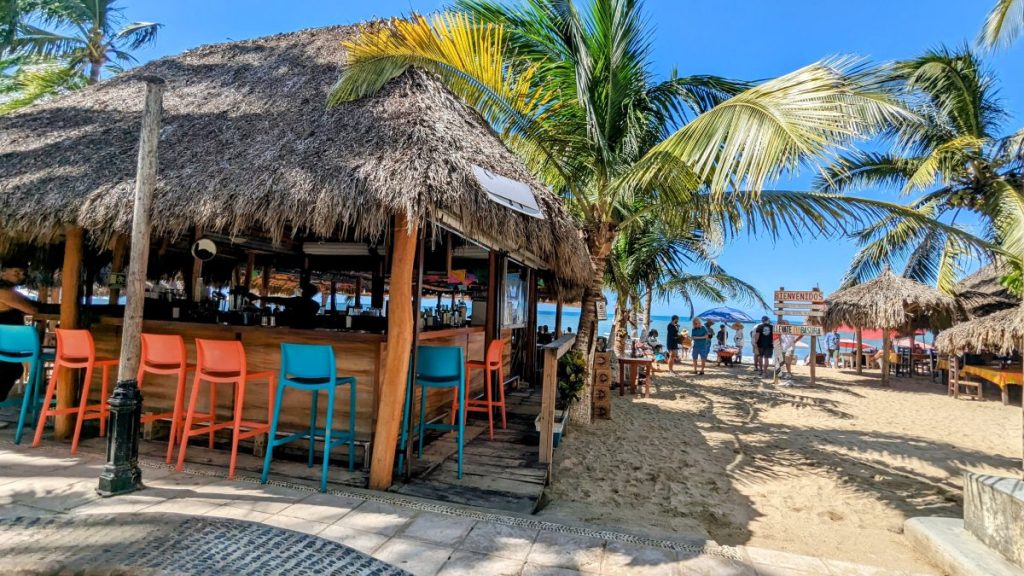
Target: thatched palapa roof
x=1000 y=333
x=247 y=142
x=888 y=302
x=981 y=293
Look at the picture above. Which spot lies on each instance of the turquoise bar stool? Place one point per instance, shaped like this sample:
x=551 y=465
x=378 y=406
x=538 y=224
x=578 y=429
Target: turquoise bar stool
x=20 y=345
x=311 y=367
x=436 y=367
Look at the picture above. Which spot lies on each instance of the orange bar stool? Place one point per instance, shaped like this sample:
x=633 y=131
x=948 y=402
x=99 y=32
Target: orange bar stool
x=75 y=349
x=223 y=362
x=491 y=363
x=165 y=354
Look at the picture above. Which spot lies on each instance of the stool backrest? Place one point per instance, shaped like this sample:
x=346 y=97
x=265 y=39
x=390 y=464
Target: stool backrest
x=440 y=362
x=75 y=345
x=219 y=356
x=495 y=351
x=307 y=361
x=18 y=342
x=163 y=350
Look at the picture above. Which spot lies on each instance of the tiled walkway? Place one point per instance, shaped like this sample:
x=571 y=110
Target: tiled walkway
x=422 y=537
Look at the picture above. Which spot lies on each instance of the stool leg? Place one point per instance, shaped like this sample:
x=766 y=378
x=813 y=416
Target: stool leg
x=352 y=425
x=501 y=395
x=403 y=435
x=423 y=417
x=455 y=406
x=187 y=431
x=312 y=425
x=179 y=401
x=236 y=430
x=490 y=401
x=51 y=389
x=327 y=438
x=462 y=420
x=272 y=434
x=28 y=399
x=213 y=411
x=81 y=410
x=104 y=394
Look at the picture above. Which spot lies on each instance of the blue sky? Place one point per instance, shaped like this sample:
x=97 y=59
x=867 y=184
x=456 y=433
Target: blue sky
x=747 y=39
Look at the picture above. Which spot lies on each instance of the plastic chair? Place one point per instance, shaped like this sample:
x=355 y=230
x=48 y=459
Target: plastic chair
x=223 y=362
x=490 y=364
x=20 y=345
x=165 y=354
x=436 y=367
x=311 y=367
x=75 y=349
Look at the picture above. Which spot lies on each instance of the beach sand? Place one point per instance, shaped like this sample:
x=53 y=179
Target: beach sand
x=831 y=470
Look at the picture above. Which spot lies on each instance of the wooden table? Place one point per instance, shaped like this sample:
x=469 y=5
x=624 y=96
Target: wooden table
x=1001 y=377
x=635 y=366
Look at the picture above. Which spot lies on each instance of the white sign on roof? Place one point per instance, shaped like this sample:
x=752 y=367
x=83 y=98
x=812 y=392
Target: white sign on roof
x=508 y=192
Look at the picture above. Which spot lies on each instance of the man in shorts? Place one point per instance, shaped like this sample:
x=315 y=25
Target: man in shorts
x=832 y=346
x=764 y=343
x=672 y=342
x=701 y=336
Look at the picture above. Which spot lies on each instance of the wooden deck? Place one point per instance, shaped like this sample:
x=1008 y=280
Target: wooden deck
x=501 y=474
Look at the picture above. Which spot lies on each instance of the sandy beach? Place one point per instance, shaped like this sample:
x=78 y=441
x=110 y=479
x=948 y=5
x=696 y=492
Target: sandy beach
x=831 y=470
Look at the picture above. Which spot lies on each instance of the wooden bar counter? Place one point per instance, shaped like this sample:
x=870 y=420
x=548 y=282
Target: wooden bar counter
x=357 y=354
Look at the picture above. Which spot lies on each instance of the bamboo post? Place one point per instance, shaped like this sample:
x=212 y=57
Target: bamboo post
x=396 y=359
x=117 y=264
x=858 y=355
x=547 y=406
x=814 y=356
x=71 y=275
x=121 y=473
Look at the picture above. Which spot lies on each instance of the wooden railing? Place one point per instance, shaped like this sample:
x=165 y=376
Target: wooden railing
x=549 y=391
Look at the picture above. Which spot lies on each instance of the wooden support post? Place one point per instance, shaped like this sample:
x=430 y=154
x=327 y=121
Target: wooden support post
x=547 y=406
x=334 y=295
x=359 y=292
x=120 y=246
x=265 y=282
x=197 y=272
x=814 y=356
x=531 y=327
x=492 y=298
x=558 y=318
x=70 y=279
x=885 y=357
x=396 y=360
x=250 y=265
x=859 y=353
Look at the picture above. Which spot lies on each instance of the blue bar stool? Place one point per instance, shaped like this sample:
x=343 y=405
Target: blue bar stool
x=436 y=367
x=20 y=345
x=311 y=367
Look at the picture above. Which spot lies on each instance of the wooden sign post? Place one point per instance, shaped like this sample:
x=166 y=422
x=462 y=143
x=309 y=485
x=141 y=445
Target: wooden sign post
x=807 y=304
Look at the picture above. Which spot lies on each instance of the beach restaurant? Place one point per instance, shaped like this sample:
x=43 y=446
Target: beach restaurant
x=402 y=217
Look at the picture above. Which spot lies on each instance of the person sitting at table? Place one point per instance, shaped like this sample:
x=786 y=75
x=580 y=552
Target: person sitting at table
x=544 y=337
x=13 y=308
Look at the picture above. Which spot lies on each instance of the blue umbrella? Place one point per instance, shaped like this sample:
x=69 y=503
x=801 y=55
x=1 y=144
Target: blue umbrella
x=725 y=314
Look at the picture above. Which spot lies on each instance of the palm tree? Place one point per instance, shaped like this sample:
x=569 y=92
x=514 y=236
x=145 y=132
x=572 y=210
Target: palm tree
x=65 y=44
x=570 y=88
x=950 y=153
x=1003 y=24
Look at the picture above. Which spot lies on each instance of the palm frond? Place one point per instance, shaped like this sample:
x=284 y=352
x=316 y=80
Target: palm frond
x=35 y=82
x=137 y=34
x=1003 y=24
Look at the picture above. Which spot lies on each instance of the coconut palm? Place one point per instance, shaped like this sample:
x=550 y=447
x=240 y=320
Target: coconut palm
x=1003 y=24
x=951 y=155
x=65 y=44
x=570 y=88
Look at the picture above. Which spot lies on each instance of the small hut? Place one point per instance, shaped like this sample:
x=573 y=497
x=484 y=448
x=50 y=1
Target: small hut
x=1001 y=333
x=982 y=293
x=889 y=302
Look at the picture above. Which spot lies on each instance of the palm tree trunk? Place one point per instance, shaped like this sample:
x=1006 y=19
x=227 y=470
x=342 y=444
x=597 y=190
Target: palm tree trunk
x=95 y=68
x=648 y=301
x=599 y=244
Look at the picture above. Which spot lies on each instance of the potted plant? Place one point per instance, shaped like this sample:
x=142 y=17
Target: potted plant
x=572 y=373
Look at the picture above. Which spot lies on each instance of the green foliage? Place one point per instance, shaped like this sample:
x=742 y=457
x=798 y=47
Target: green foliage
x=572 y=376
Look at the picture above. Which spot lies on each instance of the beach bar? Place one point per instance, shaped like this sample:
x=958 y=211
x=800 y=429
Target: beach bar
x=402 y=216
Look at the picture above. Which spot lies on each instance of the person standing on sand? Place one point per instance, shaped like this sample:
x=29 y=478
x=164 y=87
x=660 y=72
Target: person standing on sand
x=701 y=336
x=722 y=335
x=737 y=339
x=765 y=347
x=832 y=348
x=672 y=342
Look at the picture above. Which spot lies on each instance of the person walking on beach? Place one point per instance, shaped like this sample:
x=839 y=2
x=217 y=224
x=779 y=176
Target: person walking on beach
x=832 y=347
x=722 y=335
x=701 y=336
x=672 y=342
x=764 y=343
x=737 y=340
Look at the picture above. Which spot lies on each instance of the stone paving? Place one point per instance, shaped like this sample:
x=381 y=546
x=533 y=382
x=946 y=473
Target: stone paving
x=422 y=537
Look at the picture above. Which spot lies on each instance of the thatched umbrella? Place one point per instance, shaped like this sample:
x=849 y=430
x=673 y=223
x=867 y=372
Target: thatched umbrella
x=982 y=293
x=1000 y=333
x=888 y=302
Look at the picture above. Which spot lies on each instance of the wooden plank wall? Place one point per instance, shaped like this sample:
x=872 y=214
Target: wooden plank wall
x=358 y=355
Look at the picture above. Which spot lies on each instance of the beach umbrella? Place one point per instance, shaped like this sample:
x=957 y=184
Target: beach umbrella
x=888 y=303
x=851 y=344
x=725 y=314
x=875 y=333
x=918 y=345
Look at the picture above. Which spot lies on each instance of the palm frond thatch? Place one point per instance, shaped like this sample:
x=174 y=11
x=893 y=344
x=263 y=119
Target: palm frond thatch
x=888 y=302
x=999 y=333
x=983 y=292
x=247 y=142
